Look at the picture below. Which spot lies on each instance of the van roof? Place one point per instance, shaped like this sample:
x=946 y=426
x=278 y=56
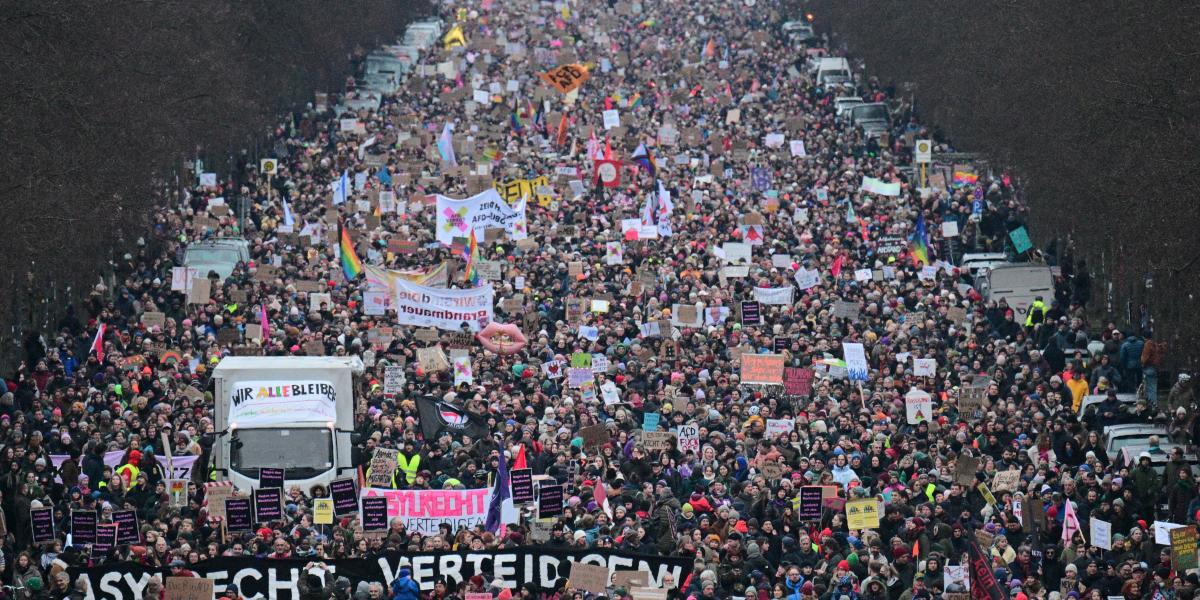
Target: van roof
x=243 y=363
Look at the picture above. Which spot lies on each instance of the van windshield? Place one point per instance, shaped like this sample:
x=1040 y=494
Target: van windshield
x=301 y=452
x=212 y=256
x=870 y=112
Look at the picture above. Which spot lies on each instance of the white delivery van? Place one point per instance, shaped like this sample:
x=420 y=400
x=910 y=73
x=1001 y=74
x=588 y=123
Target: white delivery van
x=834 y=71
x=1018 y=284
x=287 y=412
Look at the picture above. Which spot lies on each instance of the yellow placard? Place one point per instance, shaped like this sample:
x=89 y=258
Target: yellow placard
x=862 y=514
x=512 y=190
x=323 y=511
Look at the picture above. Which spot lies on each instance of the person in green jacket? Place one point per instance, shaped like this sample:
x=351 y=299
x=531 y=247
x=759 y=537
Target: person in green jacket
x=1037 y=313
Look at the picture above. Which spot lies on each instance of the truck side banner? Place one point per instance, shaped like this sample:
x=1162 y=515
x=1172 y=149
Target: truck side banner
x=257 y=578
x=254 y=403
x=416 y=304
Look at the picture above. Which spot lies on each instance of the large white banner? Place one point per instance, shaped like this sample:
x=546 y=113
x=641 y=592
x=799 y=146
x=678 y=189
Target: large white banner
x=416 y=304
x=425 y=510
x=781 y=295
x=456 y=217
x=182 y=465
x=856 y=361
x=255 y=403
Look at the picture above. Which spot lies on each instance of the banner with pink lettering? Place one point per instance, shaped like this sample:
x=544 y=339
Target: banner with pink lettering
x=424 y=511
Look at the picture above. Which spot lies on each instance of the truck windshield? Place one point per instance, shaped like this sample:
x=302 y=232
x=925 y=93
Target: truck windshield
x=301 y=452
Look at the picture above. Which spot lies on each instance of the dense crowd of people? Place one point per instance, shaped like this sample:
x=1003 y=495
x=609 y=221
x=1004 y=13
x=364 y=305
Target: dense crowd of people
x=724 y=78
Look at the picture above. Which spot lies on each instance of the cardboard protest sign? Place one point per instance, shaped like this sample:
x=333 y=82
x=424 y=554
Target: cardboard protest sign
x=965 y=468
x=566 y=78
x=190 y=588
x=762 y=368
x=590 y=578
x=1183 y=548
x=862 y=514
x=1006 y=481
x=595 y=435
x=383 y=466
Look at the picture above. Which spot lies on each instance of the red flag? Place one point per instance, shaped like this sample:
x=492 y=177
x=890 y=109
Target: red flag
x=601 y=497
x=98 y=342
x=836 y=269
x=561 y=138
x=519 y=463
x=607 y=149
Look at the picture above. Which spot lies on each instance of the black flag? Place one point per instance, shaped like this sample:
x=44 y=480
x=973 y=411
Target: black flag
x=983 y=580
x=438 y=416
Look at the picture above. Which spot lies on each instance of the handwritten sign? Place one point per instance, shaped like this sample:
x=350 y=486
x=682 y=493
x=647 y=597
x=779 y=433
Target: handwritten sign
x=762 y=368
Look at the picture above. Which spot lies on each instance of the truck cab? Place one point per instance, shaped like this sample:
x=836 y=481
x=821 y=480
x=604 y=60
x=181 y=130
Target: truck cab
x=292 y=413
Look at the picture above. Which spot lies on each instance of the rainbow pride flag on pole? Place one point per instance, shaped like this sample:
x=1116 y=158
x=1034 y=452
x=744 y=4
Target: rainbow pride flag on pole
x=351 y=266
x=471 y=273
x=920 y=243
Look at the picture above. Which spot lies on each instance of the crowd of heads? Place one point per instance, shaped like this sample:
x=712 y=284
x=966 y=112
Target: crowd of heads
x=724 y=71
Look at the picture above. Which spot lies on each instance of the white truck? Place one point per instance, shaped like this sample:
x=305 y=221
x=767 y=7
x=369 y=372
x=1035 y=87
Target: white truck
x=290 y=413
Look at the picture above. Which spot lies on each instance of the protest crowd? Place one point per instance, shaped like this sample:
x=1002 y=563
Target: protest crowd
x=742 y=343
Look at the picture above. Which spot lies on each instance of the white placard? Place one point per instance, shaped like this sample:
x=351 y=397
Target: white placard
x=798 y=148
x=924 y=367
x=950 y=229
x=918 y=406
x=612 y=119
x=1101 y=533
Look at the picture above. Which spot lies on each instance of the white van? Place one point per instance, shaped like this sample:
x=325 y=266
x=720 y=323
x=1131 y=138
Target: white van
x=1018 y=285
x=834 y=71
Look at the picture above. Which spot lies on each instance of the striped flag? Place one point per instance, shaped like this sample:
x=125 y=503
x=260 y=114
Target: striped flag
x=98 y=342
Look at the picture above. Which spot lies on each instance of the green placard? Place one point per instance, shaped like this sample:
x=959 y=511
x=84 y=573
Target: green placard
x=1020 y=240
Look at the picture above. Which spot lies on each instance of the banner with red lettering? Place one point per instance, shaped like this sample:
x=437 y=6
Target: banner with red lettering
x=424 y=511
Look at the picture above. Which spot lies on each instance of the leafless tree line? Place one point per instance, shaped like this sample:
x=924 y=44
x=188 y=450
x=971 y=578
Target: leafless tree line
x=1094 y=107
x=101 y=99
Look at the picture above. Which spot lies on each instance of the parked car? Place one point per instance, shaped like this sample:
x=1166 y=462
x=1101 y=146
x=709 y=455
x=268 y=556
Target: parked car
x=1117 y=437
x=1129 y=455
x=1094 y=399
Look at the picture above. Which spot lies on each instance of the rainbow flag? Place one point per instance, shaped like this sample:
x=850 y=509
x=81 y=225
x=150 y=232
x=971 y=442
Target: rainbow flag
x=515 y=120
x=964 y=178
x=471 y=273
x=352 y=267
x=920 y=243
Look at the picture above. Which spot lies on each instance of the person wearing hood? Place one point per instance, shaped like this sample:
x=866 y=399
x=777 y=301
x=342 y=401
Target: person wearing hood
x=404 y=588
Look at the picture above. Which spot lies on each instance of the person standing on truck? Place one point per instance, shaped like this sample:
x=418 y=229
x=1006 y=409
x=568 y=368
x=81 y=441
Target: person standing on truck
x=1037 y=313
